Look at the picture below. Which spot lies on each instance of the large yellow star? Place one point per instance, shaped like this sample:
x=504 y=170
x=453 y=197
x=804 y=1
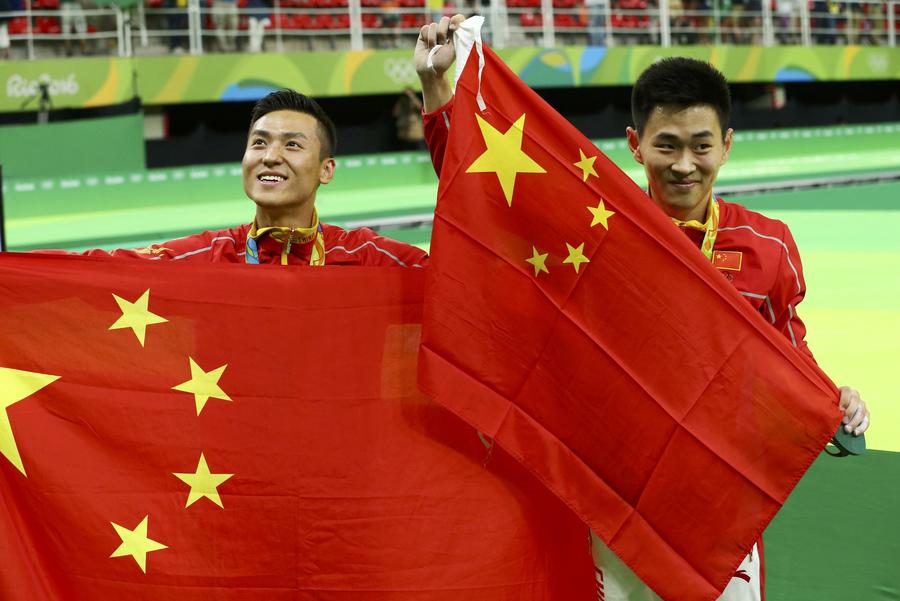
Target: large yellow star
x=15 y=385
x=586 y=164
x=203 y=385
x=504 y=155
x=601 y=215
x=203 y=483
x=136 y=543
x=576 y=256
x=136 y=316
x=539 y=261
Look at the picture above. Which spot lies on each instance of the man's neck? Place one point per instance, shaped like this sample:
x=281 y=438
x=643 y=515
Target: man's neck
x=293 y=219
x=699 y=213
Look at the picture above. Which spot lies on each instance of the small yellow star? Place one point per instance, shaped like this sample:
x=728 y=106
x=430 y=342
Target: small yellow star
x=203 y=483
x=504 y=155
x=136 y=316
x=538 y=260
x=586 y=164
x=136 y=543
x=576 y=256
x=203 y=385
x=16 y=385
x=601 y=215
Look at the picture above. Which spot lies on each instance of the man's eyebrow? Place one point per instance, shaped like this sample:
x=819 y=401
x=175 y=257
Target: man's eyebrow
x=283 y=135
x=670 y=136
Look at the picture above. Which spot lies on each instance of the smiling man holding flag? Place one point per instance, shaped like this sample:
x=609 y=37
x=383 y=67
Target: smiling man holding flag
x=567 y=319
x=234 y=416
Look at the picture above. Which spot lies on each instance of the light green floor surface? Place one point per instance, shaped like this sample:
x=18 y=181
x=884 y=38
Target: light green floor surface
x=851 y=262
x=129 y=209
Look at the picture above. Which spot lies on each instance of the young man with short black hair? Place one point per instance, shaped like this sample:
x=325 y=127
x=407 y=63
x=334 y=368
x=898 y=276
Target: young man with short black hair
x=680 y=108
x=290 y=152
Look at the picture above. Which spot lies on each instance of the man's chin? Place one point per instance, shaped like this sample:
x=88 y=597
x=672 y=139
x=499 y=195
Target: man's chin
x=267 y=200
x=678 y=205
x=686 y=198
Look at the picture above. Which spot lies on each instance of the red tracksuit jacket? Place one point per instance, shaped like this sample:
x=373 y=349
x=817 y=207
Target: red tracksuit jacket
x=342 y=247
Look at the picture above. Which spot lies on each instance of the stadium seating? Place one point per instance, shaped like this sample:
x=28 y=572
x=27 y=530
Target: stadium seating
x=620 y=21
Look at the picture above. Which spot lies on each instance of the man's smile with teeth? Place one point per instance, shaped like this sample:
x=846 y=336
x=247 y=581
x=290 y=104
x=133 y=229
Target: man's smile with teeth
x=272 y=178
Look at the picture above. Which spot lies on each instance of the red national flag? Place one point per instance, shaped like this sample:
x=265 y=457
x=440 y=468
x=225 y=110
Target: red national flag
x=202 y=432
x=567 y=319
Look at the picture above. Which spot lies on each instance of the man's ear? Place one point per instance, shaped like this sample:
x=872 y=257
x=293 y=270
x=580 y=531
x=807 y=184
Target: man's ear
x=326 y=170
x=729 y=138
x=634 y=144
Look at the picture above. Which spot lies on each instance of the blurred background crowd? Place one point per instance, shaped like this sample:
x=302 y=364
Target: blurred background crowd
x=48 y=28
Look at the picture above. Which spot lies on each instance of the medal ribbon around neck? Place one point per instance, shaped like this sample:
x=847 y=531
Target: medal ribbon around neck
x=710 y=228
x=316 y=255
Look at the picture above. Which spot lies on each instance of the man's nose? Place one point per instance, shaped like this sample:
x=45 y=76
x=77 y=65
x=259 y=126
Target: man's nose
x=272 y=155
x=685 y=164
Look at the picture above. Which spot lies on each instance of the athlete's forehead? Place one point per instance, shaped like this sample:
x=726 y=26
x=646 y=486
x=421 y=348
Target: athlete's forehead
x=683 y=122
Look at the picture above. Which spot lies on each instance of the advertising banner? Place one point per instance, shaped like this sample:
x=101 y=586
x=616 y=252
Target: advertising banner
x=87 y=82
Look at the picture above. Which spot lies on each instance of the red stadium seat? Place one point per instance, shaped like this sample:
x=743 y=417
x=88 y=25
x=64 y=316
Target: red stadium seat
x=530 y=20
x=18 y=26
x=282 y=21
x=318 y=22
x=412 y=20
x=48 y=25
x=296 y=21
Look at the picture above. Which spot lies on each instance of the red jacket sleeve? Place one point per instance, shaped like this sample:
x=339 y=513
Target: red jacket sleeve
x=787 y=292
x=119 y=253
x=437 y=130
x=178 y=247
x=378 y=250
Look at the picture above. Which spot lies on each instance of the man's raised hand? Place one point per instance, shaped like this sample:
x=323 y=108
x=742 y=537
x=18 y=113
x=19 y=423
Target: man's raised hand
x=436 y=91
